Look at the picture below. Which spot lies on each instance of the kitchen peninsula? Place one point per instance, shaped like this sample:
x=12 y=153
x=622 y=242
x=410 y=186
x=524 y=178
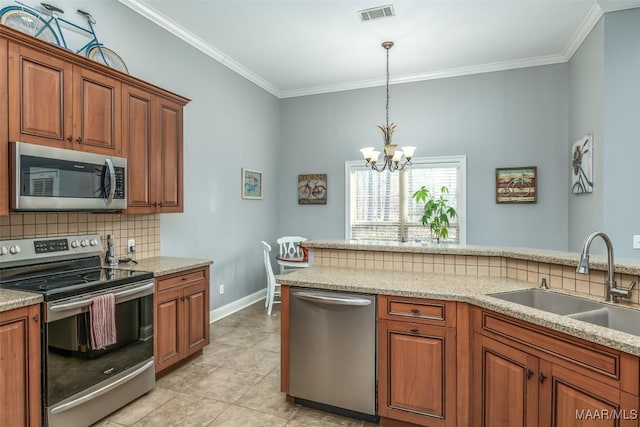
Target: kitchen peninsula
x=444 y=341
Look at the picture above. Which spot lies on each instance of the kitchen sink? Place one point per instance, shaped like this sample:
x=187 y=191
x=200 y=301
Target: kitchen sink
x=549 y=301
x=610 y=316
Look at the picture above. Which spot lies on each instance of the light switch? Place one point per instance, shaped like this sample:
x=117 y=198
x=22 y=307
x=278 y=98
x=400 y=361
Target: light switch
x=636 y=241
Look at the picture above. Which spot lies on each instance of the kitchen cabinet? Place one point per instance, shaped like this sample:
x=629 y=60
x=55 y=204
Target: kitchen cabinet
x=530 y=376
x=56 y=103
x=4 y=131
x=417 y=361
x=20 y=367
x=181 y=316
x=152 y=133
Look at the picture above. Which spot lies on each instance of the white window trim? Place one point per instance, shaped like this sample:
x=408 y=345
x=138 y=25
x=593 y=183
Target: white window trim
x=459 y=162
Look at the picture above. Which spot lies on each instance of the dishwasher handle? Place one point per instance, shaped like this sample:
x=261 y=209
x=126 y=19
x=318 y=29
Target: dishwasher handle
x=323 y=299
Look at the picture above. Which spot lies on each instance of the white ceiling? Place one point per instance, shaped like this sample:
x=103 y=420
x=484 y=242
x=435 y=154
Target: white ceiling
x=301 y=47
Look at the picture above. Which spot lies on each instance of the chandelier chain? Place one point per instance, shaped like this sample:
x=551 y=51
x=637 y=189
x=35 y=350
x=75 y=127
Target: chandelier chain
x=387 y=108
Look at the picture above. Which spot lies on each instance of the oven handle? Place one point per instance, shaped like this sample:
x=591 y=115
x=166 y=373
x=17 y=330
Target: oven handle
x=86 y=302
x=102 y=390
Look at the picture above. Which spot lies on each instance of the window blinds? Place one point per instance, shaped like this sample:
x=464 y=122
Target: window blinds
x=382 y=207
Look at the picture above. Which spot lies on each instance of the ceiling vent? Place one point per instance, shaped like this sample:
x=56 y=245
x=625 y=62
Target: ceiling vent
x=376 y=13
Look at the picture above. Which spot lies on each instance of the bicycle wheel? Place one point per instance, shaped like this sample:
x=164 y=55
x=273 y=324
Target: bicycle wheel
x=106 y=56
x=304 y=192
x=319 y=192
x=28 y=22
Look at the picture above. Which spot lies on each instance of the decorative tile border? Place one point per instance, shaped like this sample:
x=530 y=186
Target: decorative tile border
x=557 y=276
x=145 y=229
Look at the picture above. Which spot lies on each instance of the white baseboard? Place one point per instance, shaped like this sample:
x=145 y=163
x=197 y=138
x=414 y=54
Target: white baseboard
x=237 y=305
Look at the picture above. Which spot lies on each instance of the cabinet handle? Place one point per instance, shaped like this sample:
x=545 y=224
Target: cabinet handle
x=414 y=330
x=529 y=373
x=415 y=311
x=79 y=140
x=542 y=377
x=181 y=298
x=70 y=138
x=36 y=318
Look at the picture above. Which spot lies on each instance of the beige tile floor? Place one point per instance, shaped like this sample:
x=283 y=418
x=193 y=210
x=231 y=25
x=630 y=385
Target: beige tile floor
x=235 y=383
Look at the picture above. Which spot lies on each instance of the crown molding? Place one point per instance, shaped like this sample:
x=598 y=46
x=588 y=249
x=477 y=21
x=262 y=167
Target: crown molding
x=139 y=6
x=590 y=21
x=182 y=33
x=441 y=74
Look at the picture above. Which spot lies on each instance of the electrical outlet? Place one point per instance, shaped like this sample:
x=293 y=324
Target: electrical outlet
x=636 y=241
x=221 y=289
x=131 y=245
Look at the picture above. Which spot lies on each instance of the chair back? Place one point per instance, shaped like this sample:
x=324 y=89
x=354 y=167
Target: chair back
x=289 y=246
x=267 y=263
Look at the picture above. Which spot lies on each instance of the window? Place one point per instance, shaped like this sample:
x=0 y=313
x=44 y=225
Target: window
x=380 y=204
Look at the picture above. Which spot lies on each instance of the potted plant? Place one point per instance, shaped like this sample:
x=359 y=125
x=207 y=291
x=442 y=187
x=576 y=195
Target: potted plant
x=437 y=212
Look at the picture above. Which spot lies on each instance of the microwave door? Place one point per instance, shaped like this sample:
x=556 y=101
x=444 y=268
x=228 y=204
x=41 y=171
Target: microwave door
x=108 y=181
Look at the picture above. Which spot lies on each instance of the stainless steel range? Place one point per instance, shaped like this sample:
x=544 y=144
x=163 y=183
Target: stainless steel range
x=82 y=384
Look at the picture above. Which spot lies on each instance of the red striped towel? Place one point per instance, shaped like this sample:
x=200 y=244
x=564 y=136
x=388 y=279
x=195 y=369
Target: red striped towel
x=103 y=321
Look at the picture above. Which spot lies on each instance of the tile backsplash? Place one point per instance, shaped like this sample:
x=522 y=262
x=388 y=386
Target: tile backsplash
x=145 y=229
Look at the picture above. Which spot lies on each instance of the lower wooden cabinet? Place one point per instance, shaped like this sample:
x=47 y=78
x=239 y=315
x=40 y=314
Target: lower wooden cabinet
x=549 y=380
x=20 y=367
x=416 y=361
x=181 y=316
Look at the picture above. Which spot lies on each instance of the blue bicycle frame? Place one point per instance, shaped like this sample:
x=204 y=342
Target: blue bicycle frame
x=53 y=17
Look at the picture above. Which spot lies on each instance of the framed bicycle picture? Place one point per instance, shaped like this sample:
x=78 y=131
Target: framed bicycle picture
x=312 y=189
x=251 y=184
x=517 y=185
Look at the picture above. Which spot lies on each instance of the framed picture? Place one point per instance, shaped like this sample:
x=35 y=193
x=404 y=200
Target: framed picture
x=517 y=185
x=582 y=165
x=312 y=189
x=251 y=184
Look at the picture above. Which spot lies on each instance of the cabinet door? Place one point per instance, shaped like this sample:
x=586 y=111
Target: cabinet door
x=505 y=385
x=137 y=144
x=196 y=316
x=20 y=367
x=40 y=98
x=568 y=399
x=169 y=167
x=168 y=346
x=417 y=377
x=4 y=130
x=96 y=113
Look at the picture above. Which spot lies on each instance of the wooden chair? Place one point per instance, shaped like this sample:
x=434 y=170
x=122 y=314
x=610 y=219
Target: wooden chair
x=289 y=249
x=271 y=279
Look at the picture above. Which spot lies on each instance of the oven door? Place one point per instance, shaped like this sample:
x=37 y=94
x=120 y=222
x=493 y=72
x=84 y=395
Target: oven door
x=47 y=178
x=75 y=374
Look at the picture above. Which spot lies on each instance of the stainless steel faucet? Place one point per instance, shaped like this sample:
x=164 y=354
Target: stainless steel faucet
x=613 y=292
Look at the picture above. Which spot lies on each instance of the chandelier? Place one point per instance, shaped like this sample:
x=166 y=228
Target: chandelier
x=393 y=158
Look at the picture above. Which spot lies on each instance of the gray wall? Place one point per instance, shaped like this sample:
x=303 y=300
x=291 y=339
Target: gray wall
x=622 y=128
x=510 y=118
x=231 y=123
x=586 y=78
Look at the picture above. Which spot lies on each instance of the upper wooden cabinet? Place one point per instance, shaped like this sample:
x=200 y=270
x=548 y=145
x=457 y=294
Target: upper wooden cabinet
x=55 y=103
x=152 y=135
x=4 y=131
x=51 y=96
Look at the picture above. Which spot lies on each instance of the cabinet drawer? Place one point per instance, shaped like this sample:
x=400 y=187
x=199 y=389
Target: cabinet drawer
x=599 y=362
x=180 y=279
x=417 y=310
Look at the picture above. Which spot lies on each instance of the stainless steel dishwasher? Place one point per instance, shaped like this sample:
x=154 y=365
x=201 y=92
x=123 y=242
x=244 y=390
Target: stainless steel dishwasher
x=333 y=351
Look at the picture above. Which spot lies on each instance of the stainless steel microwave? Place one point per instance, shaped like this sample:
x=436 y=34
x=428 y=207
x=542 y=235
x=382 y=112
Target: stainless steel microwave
x=54 y=179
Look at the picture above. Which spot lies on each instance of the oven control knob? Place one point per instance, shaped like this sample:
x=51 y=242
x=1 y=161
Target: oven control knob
x=74 y=244
x=84 y=243
x=93 y=242
x=3 y=250
x=14 y=249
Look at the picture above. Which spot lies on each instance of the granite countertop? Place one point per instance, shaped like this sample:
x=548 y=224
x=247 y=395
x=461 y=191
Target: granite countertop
x=163 y=265
x=10 y=299
x=469 y=289
x=596 y=261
